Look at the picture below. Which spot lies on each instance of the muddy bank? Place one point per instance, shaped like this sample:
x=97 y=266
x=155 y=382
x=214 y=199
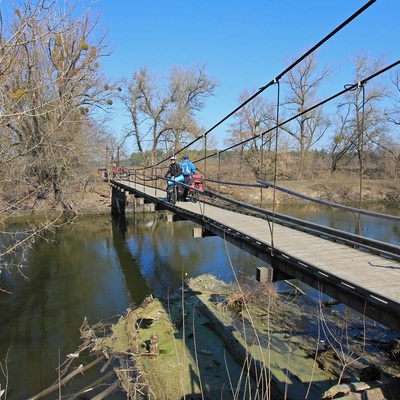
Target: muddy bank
x=215 y=340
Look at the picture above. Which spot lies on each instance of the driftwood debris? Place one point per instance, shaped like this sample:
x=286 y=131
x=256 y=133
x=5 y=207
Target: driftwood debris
x=94 y=384
x=108 y=391
x=70 y=376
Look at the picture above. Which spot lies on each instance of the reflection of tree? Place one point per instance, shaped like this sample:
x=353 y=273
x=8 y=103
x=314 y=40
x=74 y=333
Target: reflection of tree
x=167 y=251
x=69 y=277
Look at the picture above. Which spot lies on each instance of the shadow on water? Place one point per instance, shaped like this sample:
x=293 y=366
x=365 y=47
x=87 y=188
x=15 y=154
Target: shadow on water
x=135 y=282
x=166 y=252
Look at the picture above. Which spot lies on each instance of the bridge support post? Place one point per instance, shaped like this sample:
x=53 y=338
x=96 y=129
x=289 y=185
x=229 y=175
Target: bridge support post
x=265 y=274
x=136 y=203
x=270 y=274
x=201 y=233
x=118 y=201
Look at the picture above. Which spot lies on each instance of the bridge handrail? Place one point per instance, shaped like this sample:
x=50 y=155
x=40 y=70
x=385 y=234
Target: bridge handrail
x=330 y=204
x=264 y=184
x=374 y=246
x=144 y=177
x=236 y=183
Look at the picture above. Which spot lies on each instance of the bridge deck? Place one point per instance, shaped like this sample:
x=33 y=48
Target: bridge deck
x=375 y=276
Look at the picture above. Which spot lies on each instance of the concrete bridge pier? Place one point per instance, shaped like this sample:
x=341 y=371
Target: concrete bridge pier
x=137 y=203
x=122 y=202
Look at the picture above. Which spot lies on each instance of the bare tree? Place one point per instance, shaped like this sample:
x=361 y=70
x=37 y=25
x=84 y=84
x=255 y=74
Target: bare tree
x=254 y=118
x=163 y=114
x=303 y=82
x=393 y=115
x=361 y=128
x=50 y=89
x=51 y=86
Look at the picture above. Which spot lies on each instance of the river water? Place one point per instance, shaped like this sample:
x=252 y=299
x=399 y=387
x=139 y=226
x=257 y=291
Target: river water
x=99 y=266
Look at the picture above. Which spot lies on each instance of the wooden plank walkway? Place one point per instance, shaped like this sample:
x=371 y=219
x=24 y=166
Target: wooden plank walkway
x=353 y=266
x=349 y=266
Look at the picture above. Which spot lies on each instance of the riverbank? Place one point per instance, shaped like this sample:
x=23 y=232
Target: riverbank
x=343 y=190
x=94 y=197
x=216 y=340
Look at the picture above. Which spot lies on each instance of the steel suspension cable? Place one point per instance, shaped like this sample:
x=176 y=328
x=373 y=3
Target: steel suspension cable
x=205 y=170
x=290 y=67
x=331 y=204
x=347 y=88
x=322 y=41
x=273 y=81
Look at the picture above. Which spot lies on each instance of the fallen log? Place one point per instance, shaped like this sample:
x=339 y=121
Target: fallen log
x=92 y=385
x=241 y=355
x=106 y=365
x=63 y=381
x=108 y=391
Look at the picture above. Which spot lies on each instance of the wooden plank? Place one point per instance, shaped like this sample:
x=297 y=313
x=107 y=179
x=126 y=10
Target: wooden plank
x=392 y=292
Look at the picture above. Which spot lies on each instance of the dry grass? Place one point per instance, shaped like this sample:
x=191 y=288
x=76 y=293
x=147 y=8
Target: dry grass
x=252 y=292
x=311 y=178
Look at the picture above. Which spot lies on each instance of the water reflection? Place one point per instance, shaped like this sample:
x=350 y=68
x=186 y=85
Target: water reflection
x=71 y=274
x=94 y=268
x=99 y=266
x=167 y=253
x=135 y=282
x=372 y=227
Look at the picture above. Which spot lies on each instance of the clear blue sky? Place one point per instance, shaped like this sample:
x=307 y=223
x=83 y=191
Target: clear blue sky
x=243 y=44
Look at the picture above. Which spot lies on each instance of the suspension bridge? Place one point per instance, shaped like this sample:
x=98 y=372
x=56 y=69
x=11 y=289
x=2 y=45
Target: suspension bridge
x=359 y=272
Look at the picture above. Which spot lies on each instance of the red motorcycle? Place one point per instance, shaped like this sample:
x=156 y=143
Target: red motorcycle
x=196 y=182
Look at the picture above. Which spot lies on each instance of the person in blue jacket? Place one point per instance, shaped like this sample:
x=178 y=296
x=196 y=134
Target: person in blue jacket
x=188 y=169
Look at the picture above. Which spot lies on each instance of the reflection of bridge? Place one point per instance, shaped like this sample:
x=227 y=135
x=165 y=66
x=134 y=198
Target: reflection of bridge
x=362 y=273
